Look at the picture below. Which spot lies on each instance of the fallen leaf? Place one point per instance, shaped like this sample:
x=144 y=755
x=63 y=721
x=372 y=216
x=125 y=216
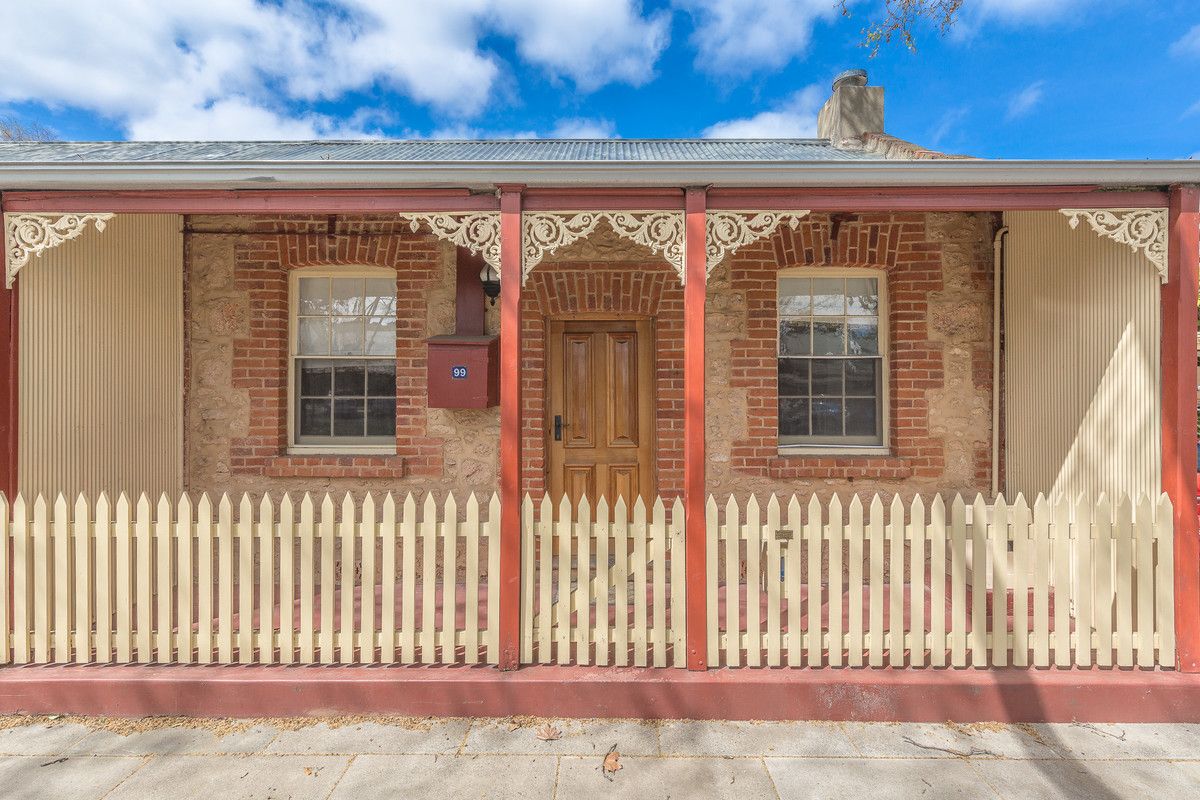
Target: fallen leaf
x=549 y=733
x=309 y=771
x=612 y=762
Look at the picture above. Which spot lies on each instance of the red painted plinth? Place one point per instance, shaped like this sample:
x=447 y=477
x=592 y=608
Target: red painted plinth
x=925 y=695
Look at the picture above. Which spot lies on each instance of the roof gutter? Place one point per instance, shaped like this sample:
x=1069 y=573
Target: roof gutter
x=391 y=174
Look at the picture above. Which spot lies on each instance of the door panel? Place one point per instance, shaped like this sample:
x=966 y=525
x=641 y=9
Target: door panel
x=600 y=387
x=623 y=386
x=578 y=401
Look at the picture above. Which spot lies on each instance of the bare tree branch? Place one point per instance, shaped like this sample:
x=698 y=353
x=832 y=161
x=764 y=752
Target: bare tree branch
x=13 y=130
x=900 y=17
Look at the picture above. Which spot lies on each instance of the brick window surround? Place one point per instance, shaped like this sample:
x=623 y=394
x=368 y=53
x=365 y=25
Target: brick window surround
x=899 y=245
x=263 y=259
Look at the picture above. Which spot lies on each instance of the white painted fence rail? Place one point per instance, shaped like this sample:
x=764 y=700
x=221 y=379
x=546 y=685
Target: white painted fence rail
x=803 y=584
x=293 y=582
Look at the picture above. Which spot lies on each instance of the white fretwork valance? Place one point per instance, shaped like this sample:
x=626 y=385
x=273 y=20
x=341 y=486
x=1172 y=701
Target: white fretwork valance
x=31 y=234
x=727 y=231
x=478 y=231
x=1144 y=230
x=659 y=231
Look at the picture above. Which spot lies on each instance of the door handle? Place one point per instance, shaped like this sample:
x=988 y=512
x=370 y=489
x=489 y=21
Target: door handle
x=558 y=426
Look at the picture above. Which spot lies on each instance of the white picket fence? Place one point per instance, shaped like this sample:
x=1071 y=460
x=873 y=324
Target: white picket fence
x=603 y=591
x=292 y=584
x=983 y=585
x=1063 y=584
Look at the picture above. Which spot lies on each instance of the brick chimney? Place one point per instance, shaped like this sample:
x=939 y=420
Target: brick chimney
x=852 y=110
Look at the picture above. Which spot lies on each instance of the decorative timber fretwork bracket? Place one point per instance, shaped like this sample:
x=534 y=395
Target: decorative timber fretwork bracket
x=659 y=231
x=1144 y=230
x=727 y=231
x=31 y=234
x=478 y=231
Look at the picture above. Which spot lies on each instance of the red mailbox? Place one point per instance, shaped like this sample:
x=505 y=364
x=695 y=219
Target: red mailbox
x=464 y=371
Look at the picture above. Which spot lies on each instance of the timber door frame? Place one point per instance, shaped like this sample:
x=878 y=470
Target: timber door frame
x=555 y=383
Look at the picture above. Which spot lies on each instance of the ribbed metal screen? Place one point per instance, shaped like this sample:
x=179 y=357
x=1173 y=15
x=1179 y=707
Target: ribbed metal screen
x=1082 y=331
x=101 y=361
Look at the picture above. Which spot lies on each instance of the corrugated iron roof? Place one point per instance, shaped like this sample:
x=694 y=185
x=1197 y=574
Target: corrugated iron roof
x=437 y=151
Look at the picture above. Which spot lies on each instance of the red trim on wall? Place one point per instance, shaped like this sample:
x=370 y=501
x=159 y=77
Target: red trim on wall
x=510 y=427
x=599 y=199
x=694 y=461
x=1178 y=415
x=253 y=201
x=877 y=695
x=932 y=198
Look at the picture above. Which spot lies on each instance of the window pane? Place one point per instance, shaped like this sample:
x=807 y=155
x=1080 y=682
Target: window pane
x=314 y=296
x=794 y=337
x=316 y=378
x=864 y=336
x=381 y=417
x=380 y=297
x=347 y=295
x=860 y=417
x=793 y=376
x=794 y=299
x=381 y=379
x=347 y=336
x=829 y=339
x=381 y=336
x=350 y=380
x=861 y=377
x=826 y=378
x=862 y=296
x=314 y=417
x=793 y=416
x=348 y=417
x=829 y=296
x=826 y=417
x=313 y=338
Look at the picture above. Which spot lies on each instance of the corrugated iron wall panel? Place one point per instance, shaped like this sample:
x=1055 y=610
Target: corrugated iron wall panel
x=101 y=361
x=1082 y=365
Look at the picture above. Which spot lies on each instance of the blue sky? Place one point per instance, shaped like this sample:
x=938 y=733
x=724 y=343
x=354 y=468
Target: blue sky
x=1016 y=79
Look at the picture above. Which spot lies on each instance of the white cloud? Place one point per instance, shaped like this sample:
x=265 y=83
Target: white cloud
x=568 y=128
x=1192 y=110
x=593 y=43
x=739 y=36
x=583 y=128
x=794 y=118
x=947 y=123
x=1188 y=45
x=242 y=68
x=1025 y=100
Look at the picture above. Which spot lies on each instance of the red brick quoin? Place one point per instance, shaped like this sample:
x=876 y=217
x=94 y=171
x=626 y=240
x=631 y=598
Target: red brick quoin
x=621 y=290
x=262 y=262
x=898 y=244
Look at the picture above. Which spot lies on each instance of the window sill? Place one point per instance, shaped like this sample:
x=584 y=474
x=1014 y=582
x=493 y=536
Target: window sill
x=309 y=464
x=370 y=451
x=808 y=451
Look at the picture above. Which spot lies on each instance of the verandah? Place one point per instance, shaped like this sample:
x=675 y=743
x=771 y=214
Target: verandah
x=802 y=583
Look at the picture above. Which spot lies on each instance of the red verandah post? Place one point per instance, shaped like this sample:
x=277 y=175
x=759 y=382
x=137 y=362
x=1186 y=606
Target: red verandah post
x=695 y=268
x=509 y=616
x=1179 y=297
x=8 y=381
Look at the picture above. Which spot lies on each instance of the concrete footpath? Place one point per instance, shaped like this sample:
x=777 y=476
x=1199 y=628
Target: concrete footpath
x=356 y=759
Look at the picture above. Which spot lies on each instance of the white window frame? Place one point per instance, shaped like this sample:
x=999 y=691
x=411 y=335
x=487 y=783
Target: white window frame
x=340 y=449
x=885 y=359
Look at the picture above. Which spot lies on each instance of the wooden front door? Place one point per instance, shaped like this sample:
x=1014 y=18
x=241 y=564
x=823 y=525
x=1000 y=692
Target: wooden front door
x=600 y=409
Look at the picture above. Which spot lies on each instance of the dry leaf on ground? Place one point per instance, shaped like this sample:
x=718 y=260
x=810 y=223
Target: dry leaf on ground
x=611 y=763
x=548 y=733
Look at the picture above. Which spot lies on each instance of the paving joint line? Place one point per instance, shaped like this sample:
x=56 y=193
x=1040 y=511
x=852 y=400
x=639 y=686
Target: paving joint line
x=345 y=769
x=145 y=760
